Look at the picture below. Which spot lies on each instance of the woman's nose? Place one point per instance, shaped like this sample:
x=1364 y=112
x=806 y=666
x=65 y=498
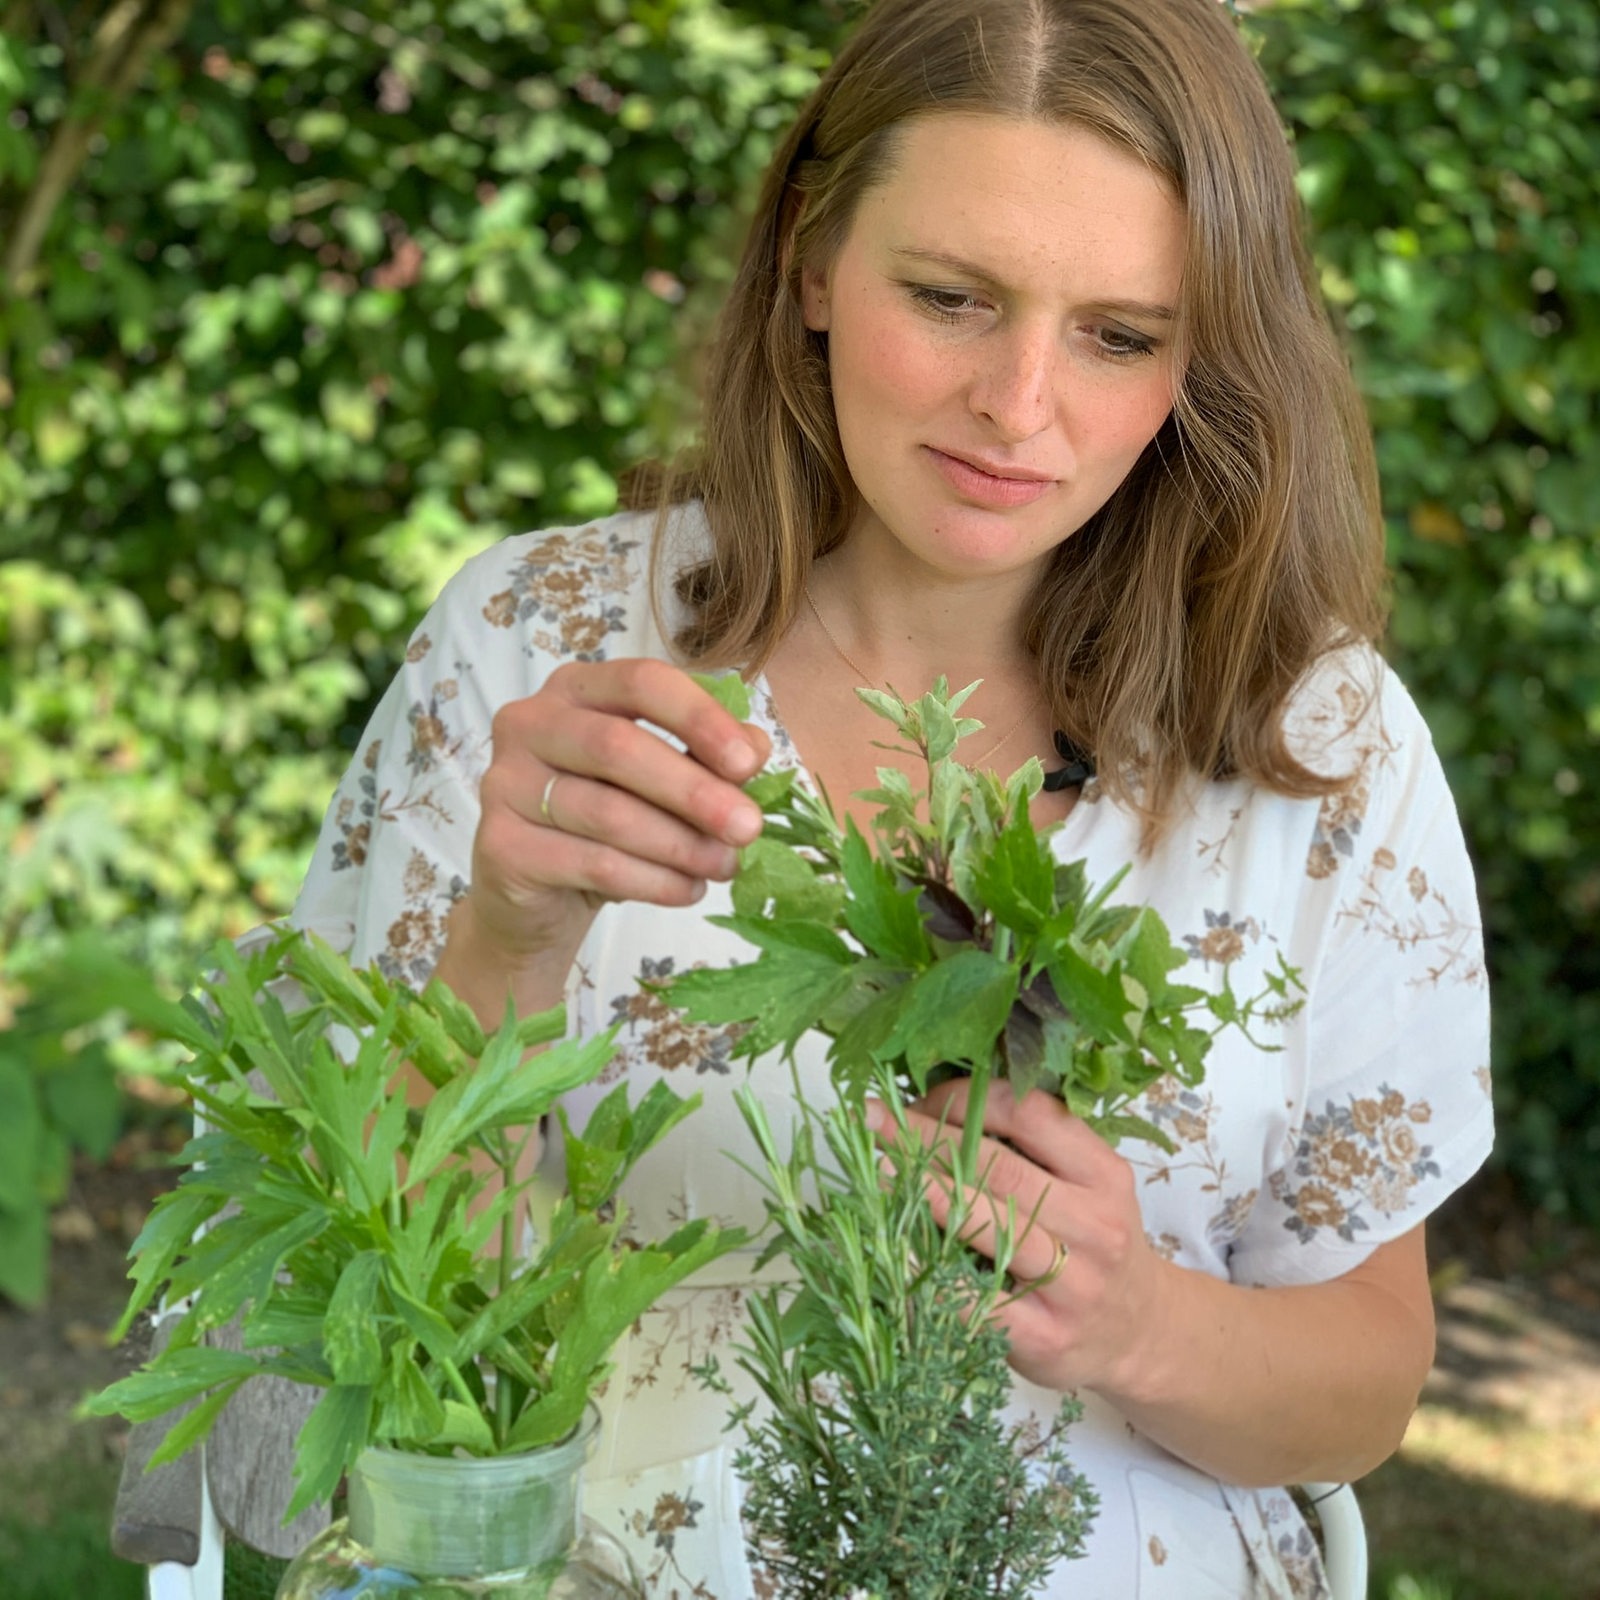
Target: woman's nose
x=1014 y=389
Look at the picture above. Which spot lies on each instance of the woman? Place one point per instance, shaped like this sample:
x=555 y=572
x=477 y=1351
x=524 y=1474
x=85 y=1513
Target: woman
x=1024 y=378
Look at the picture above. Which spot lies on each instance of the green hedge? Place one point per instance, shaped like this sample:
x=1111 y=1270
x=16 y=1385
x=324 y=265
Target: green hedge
x=343 y=294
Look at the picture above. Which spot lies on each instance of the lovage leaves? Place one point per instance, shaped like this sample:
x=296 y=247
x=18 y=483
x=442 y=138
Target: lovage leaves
x=347 y=1229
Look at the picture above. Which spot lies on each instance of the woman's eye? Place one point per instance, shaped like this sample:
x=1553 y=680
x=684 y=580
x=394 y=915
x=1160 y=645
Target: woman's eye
x=947 y=304
x=1121 y=345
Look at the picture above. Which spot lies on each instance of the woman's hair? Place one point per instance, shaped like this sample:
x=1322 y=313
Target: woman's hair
x=1246 y=542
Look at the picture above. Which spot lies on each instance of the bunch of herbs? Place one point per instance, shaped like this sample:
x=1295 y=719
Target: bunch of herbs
x=348 y=1230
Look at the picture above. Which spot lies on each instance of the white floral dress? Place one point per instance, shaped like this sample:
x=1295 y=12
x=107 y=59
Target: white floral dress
x=1290 y=1167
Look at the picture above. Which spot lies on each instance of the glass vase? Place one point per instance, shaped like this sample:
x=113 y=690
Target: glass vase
x=459 y=1528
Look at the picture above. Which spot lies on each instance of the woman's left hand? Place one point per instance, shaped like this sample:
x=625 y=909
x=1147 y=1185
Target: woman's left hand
x=1091 y=1323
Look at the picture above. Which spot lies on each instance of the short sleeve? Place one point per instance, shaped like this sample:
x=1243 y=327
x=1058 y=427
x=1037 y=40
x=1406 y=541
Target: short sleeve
x=395 y=850
x=1397 y=1112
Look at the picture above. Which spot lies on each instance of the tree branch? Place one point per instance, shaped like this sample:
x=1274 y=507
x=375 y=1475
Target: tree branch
x=131 y=33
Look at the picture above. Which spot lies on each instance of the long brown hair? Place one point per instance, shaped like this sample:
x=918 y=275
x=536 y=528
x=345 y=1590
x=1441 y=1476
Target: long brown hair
x=1246 y=542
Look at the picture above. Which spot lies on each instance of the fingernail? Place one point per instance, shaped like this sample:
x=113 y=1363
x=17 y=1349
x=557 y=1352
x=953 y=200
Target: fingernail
x=742 y=826
x=739 y=760
x=877 y=1115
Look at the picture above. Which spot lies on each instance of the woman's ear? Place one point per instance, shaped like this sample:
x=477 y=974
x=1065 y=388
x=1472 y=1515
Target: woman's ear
x=816 y=301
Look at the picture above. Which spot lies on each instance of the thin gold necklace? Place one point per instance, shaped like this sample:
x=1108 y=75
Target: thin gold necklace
x=866 y=679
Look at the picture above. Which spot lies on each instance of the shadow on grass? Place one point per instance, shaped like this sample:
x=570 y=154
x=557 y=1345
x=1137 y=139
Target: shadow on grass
x=1461 y=1538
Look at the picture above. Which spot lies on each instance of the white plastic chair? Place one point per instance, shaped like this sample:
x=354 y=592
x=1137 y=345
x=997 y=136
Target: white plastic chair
x=1344 y=1538
x=169 y=1580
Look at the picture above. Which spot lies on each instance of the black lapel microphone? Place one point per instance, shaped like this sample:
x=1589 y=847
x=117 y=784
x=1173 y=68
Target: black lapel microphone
x=1078 y=770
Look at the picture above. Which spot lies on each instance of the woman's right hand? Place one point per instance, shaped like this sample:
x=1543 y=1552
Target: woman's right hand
x=626 y=817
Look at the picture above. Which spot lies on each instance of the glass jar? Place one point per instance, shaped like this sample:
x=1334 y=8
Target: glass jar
x=458 y=1528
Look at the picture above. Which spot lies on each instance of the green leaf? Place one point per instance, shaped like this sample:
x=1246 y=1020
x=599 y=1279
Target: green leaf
x=1016 y=877
x=775 y=880
x=85 y=1102
x=883 y=916
x=517 y=1302
x=290 y=1318
x=430 y=1327
x=176 y=1375
x=790 y=933
x=728 y=690
x=337 y=1431
x=342 y=1098
x=503 y=1091
x=888 y=706
x=866 y=1037
x=1114 y=1129
x=656 y=1115
x=460 y=1021
x=1095 y=998
x=194 y=1425
x=380 y=1172
x=616 y=1290
x=168 y=1230
x=237 y=1260
x=465 y=1427
x=781 y=995
x=89 y=978
x=593 y=1169
x=25 y=1254
x=21 y=1124
x=409 y=1412
x=939 y=731
x=350 y=1331
x=955 y=1011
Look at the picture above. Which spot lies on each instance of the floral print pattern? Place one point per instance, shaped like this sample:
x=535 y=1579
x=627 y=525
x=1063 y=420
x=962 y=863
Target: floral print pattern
x=1223 y=942
x=672 y=1513
x=563 y=592
x=654 y=1035
x=1352 y=1159
x=1411 y=914
x=416 y=936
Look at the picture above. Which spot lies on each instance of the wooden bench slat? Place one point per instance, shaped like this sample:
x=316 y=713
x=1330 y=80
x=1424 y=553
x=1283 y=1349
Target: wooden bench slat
x=156 y=1515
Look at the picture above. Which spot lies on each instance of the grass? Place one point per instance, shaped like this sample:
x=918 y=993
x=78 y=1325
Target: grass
x=67 y=1557
x=53 y=1533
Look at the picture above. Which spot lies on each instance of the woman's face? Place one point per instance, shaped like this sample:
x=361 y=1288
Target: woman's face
x=999 y=325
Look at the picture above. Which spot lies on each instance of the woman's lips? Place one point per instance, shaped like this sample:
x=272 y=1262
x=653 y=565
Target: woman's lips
x=988 y=488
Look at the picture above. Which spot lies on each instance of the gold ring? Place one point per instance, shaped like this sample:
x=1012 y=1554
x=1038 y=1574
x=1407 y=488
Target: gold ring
x=544 y=800
x=1060 y=1260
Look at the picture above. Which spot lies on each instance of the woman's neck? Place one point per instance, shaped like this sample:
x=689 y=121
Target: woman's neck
x=896 y=622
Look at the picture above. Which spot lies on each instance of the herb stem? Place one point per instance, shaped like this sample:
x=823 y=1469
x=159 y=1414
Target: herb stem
x=453 y=1373
x=503 y=1399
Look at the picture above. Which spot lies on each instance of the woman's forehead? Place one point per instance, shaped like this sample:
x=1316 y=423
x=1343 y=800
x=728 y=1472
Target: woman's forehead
x=1023 y=201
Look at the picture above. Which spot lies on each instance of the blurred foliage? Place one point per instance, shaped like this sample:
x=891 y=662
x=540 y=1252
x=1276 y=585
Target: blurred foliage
x=59 y=1095
x=343 y=294
x=1448 y=152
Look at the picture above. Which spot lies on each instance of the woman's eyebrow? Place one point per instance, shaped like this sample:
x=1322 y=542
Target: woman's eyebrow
x=981 y=275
